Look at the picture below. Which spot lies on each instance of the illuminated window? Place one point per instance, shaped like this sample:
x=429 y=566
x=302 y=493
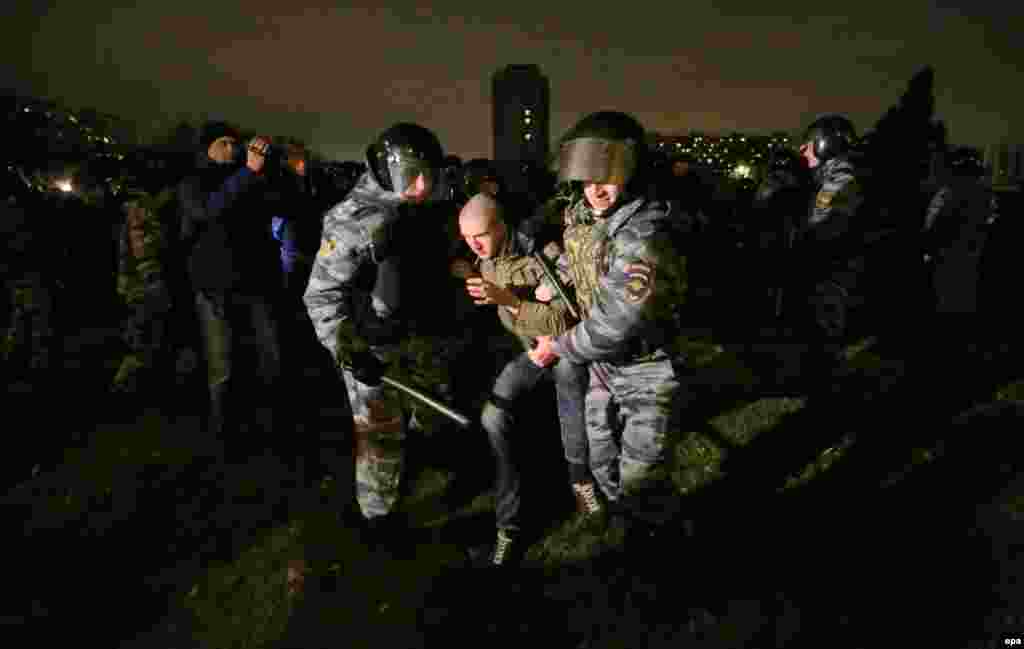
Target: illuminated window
x=527 y=120
x=527 y=112
x=527 y=136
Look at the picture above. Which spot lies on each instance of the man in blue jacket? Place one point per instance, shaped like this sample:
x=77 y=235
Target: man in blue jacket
x=233 y=265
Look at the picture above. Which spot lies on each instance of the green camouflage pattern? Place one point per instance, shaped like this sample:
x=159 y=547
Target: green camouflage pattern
x=142 y=246
x=513 y=268
x=30 y=341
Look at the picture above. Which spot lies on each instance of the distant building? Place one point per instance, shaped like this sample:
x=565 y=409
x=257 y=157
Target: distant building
x=521 y=102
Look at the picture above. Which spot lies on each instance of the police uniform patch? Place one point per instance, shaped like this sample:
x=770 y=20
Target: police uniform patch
x=824 y=199
x=639 y=280
x=327 y=247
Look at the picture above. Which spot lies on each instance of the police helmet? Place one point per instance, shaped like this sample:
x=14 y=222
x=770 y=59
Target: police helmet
x=402 y=153
x=603 y=147
x=830 y=136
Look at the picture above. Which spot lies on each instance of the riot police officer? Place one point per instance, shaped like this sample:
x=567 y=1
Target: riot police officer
x=374 y=301
x=829 y=254
x=621 y=257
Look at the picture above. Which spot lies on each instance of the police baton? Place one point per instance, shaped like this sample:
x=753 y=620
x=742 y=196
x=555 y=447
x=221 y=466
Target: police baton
x=456 y=416
x=550 y=274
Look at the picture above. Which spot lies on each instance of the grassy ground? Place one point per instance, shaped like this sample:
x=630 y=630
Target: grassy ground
x=854 y=521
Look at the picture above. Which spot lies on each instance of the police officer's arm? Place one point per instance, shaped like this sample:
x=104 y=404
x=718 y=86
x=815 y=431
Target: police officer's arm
x=644 y=284
x=330 y=293
x=835 y=206
x=203 y=207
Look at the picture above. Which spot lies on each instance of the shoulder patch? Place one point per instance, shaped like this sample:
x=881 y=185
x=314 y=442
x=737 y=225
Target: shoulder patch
x=639 y=281
x=327 y=247
x=824 y=199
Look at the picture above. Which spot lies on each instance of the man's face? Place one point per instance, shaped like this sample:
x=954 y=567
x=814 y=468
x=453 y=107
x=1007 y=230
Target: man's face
x=419 y=191
x=601 y=196
x=222 y=150
x=484 y=236
x=807 y=153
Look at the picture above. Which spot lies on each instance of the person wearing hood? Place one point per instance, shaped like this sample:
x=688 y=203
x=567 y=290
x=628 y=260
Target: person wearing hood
x=232 y=265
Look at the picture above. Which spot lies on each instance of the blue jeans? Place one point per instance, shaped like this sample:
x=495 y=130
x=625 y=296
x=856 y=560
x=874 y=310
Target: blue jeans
x=517 y=379
x=233 y=325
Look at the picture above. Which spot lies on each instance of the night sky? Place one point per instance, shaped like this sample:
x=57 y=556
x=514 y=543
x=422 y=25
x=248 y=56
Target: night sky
x=337 y=76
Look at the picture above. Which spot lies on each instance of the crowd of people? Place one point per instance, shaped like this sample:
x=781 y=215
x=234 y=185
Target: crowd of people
x=428 y=274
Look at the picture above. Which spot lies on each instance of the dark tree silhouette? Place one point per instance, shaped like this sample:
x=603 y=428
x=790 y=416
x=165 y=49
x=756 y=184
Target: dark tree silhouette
x=899 y=150
x=896 y=158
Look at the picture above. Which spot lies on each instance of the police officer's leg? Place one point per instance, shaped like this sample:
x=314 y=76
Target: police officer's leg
x=650 y=399
x=379 y=436
x=132 y=333
x=603 y=428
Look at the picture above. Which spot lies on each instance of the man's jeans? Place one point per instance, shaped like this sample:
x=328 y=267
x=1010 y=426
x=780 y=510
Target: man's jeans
x=514 y=382
x=227 y=319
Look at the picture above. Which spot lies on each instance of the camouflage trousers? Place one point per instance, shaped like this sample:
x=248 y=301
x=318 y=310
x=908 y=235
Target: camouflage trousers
x=382 y=415
x=632 y=411
x=144 y=333
x=30 y=341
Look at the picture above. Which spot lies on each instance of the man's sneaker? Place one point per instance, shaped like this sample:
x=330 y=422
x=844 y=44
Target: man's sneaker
x=588 y=503
x=506 y=550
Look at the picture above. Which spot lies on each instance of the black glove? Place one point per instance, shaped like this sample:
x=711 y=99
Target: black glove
x=367 y=368
x=378 y=331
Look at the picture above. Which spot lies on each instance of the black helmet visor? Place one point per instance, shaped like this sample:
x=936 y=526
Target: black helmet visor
x=405 y=167
x=597 y=160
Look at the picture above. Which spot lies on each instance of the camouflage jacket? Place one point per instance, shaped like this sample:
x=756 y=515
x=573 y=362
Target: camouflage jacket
x=355 y=239
x=515 y=268
x=142 y=246
x=381 y=273
x=630 y=280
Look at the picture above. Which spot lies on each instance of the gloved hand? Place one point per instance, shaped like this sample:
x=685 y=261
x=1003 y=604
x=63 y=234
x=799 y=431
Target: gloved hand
x=366 y=367
x=378 y=331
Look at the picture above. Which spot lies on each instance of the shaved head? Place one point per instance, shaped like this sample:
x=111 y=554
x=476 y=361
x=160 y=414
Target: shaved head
x=481 y=225
x=482 y=209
